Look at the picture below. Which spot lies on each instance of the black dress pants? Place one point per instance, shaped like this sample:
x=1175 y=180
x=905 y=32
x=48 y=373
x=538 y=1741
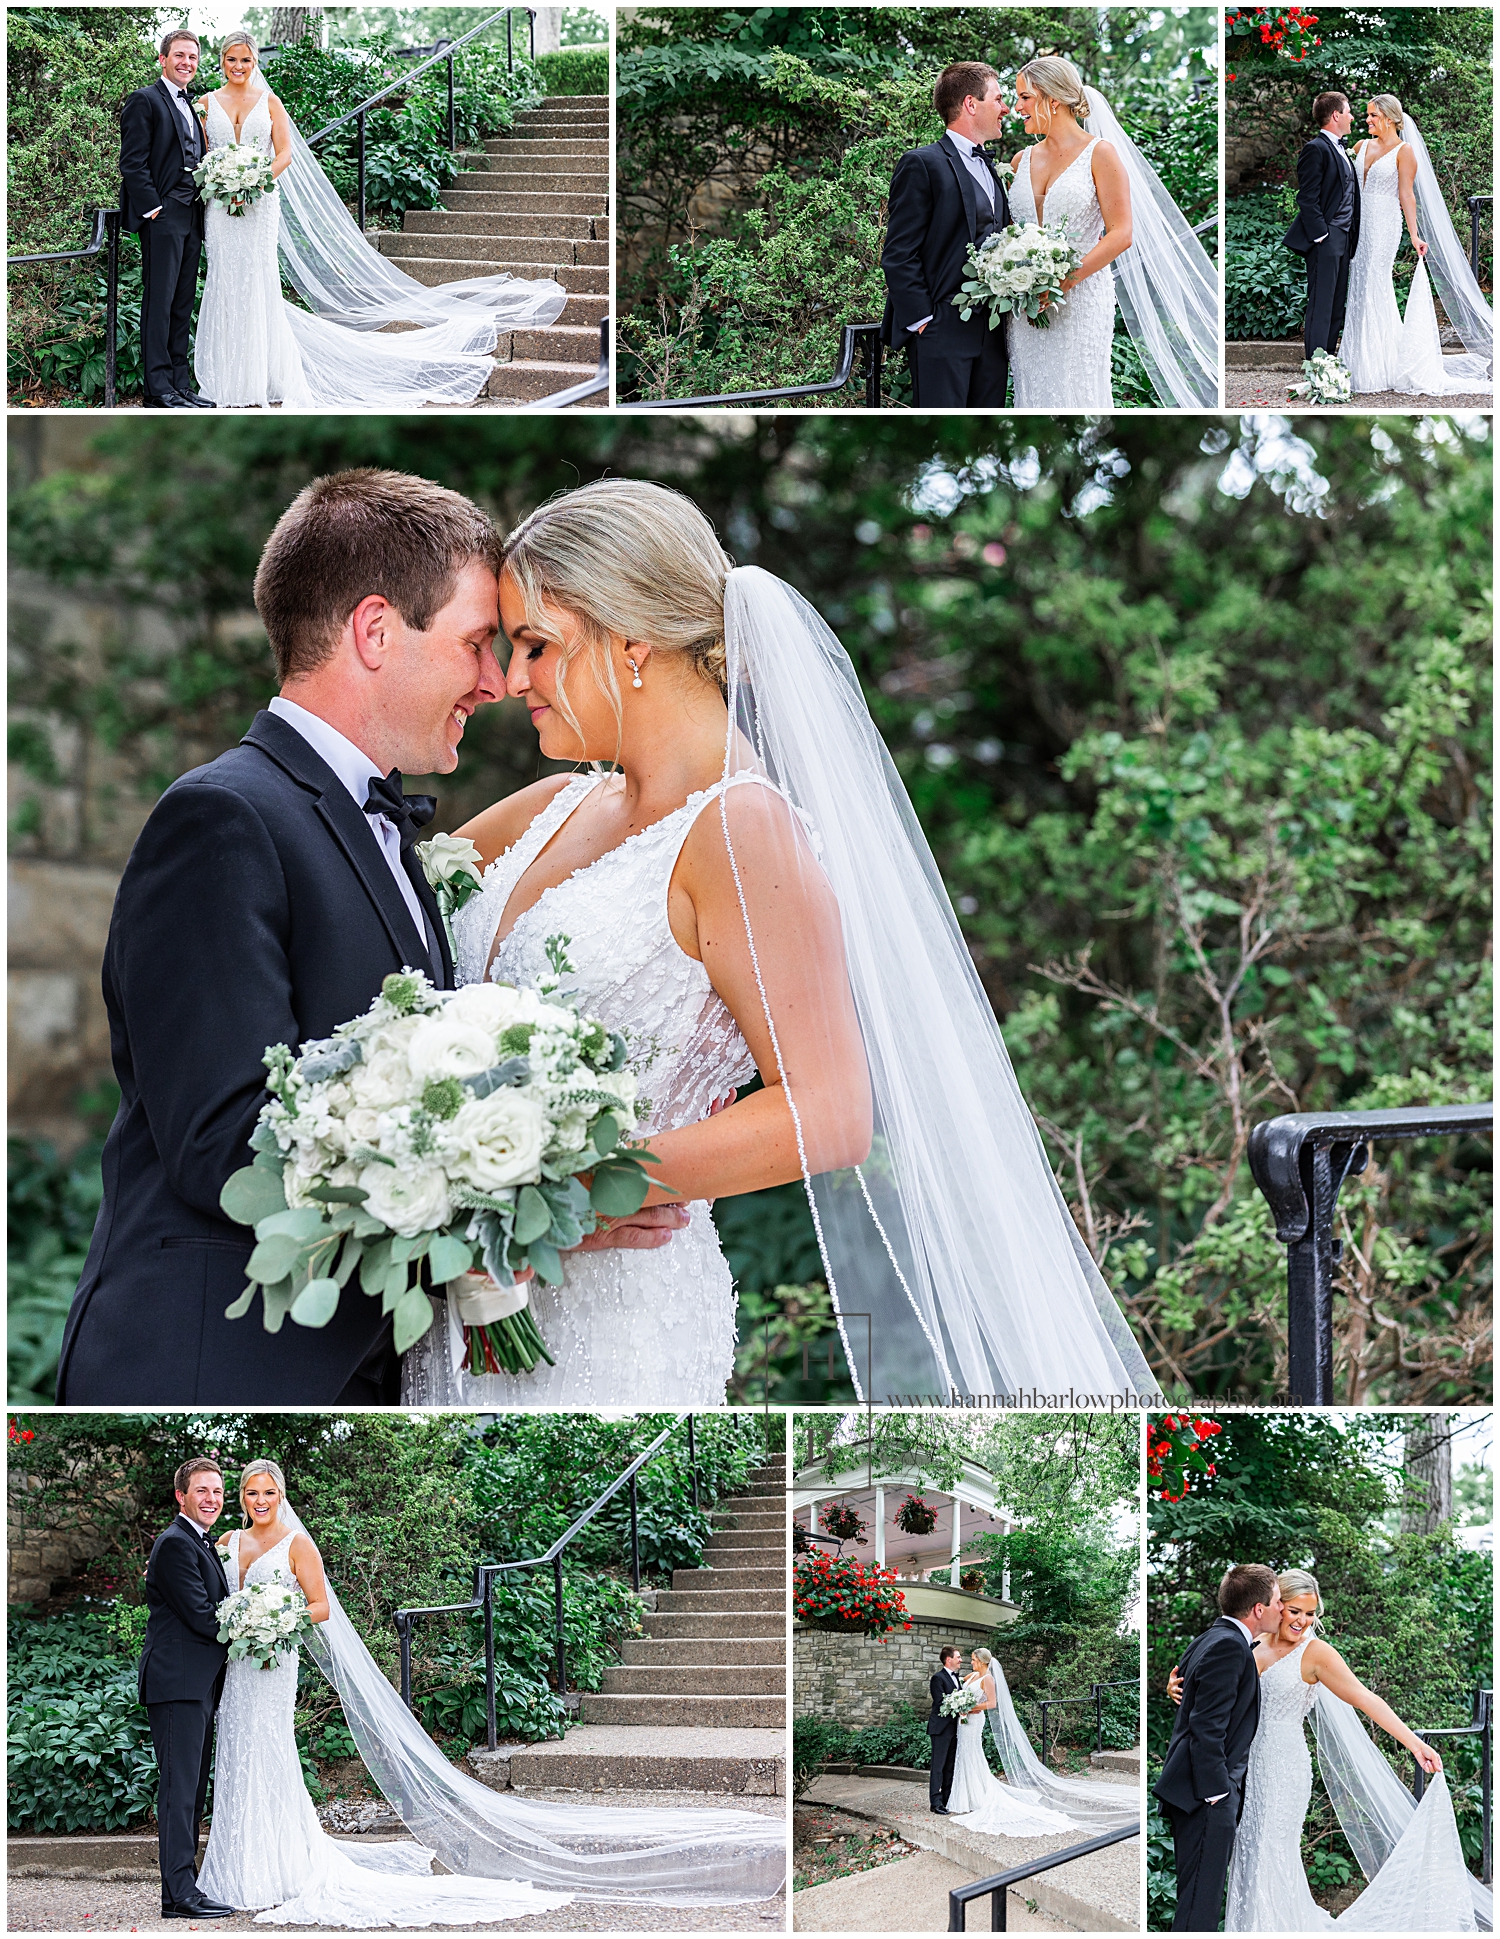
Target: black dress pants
x=1327 y=294
x=1203 y=1840
x=951 y=375
x=940 y=1776
x=170 y=248
x=376 y=1381
x=183 y=1734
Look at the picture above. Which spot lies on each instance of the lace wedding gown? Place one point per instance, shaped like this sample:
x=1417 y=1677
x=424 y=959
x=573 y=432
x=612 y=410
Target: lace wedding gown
x=268 y=1853
x=254 y=348
x=983 y=1802
x=1383 y=350
x=1421 y=1887
x=653 y=1328
x=1066 y=365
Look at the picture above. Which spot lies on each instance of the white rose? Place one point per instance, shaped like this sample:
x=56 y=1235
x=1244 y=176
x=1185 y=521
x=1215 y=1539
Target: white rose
x=495 y=1141
x=381 y=1081
x=446 y=856
x=446 y=1045
x=490 y=1006
x=409 y=1200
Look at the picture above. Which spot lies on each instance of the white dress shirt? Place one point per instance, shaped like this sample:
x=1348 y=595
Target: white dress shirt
x=972 y=157
x=356 y=770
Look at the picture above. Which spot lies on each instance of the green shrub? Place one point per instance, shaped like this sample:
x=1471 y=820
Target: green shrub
x=79 y=1750
x=575 y=70
x=52 y=1203
x=814 y=1744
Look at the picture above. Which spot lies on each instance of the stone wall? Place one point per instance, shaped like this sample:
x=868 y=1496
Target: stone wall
x=859 y=1680
x=47 y=1544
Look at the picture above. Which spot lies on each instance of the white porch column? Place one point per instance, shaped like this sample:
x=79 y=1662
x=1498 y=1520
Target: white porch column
x=880 y=1526
x=957 y=1539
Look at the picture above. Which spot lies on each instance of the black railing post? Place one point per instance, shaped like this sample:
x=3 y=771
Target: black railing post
x=491 y=1739
x=1098 y=1693
x=635 y=1542
x=1044 y=1721
x=562 y=1650
x=111 y=304
x=1486 y=1708
x=361 y=126
x=403 y=1630
x=531 y=31
x=874 y=362
x=1474 y=206
x=510 y=52
x=452 y=114
x=693 y=1461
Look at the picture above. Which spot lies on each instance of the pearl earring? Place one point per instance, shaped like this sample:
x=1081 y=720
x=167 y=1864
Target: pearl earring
x=635 y=671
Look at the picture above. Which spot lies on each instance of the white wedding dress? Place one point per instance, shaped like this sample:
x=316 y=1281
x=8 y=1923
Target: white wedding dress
x=268 y=1853
x=254 y=348
x=654 y=1328
x=1065 y=366
x=1421 y=1884
x=983 y=1802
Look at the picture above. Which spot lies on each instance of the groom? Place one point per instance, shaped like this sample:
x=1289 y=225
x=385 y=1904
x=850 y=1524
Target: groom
x=1202 y=1782
x=180 y=1680
x=1326 y=231
x=944 y=197
x=161 y=143
x=943 y=1731
x=266 y=899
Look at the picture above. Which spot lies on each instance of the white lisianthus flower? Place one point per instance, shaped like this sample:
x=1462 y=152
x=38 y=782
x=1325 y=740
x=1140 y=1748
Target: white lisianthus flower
x=488 y=1006
x=409 y=1199
x=446 y=1045
x=495 y=1141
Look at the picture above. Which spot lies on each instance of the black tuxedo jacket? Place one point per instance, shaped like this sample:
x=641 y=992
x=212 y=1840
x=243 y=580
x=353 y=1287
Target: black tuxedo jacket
x=154 y=151
x=182 y=1660
x=938 y=1687
x=256 y=908
x=1216 y=1720
x=1320 y=188
x=935 y=211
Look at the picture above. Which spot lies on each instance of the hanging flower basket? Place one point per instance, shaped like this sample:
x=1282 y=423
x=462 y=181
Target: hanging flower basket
x=842 y=1523
x=916 y=1517
x=973 y=1581
x=840 y=1593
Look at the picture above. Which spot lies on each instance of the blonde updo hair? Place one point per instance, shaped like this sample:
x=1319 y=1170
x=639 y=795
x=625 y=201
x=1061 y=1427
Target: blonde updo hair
x=254 y=1468
x=239 y=37
x=1297 y=1582
x=985 y=1659
x=1059 y=81
x=628 y=557
x=1391 y=108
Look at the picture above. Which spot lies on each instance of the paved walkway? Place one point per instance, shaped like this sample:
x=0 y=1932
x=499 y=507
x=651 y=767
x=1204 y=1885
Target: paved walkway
x=1267 y=389
x=908 y=1895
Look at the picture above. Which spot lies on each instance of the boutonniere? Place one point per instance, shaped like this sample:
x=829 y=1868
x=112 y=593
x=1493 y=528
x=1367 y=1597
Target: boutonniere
x=451 y=864
x=1006 y=173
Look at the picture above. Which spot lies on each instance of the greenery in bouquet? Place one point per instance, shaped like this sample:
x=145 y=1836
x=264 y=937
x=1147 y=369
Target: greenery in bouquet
x=959 y=1702
x=1326 y=380
x=236 y=176
x=831 y=1592
x=1022 y=269
x=265 y=1622
x=441 y=1126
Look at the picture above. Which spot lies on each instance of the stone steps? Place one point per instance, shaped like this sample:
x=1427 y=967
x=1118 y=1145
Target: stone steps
x=712 y=1712
x=609 y=1757
x=708 y=1679
x=497 y=223
x=687 y=1581
x=1128 y=1761
x=690 y=1652
x=473 y=193
x=679 y=1626
x=525 y=379
x=712 y=1602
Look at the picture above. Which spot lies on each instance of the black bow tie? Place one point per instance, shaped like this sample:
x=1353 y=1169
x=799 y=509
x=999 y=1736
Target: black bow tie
x=407 y=813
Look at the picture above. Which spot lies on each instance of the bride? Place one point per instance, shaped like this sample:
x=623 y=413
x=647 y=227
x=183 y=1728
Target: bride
x=255 y=348
x=1410 y=1853
x=1383 y=350
x=504 y=1858
x=744 y=888
x=1035 y=1803
x=1083 y=172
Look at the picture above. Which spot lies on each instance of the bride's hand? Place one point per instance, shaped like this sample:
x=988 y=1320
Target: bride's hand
x=1174 y=1684
x=1420 y=246
x=1428 y=1758
x=1071 y=281
x=643 y=1231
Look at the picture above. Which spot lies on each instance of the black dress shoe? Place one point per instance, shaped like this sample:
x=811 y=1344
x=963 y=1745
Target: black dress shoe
x=168 y=400
x=199 y=1908
x=195 y=398
x=940 y=1811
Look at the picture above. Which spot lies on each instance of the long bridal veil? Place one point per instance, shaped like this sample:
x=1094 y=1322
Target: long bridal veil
x=1449 y=267
x=350 y=353
x=671 y=1856
x=1094 y=1806
x=1409 y=1852
x=952 y=1262
x=1165 y=282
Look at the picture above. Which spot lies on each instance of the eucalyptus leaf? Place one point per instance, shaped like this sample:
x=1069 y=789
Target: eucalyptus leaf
x=242 y=1305
x=618 y=1189
x=533 y=1216
x=447 y=1257
x=374 y=1266
x=544 y=1262
x=251 y=1194
x=276 y=1303
x=348 y=1259
x=412 y=1319
x=606 y=1133
x=274 y=1258
x=303 y=1222
x=317 y=1303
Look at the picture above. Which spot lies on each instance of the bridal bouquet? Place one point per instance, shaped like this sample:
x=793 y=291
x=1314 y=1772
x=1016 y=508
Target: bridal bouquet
x=962 y=1702
x=1014 y=270
x=445 y=1125
x=236 y=175
x=266 y=1622
x=1328 y=381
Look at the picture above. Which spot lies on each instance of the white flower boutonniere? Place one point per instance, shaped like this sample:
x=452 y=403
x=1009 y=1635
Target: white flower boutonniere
x=451 y=864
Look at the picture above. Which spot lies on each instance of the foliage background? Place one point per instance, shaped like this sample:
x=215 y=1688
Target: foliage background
x=402 y=1507
x=69 y=71
x=755 y=150
x=1411 y=1614
x=1194 y=713
x=1436 y=60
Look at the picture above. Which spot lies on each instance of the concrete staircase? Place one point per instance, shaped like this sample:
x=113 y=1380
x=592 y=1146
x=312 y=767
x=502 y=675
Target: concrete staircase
x=533 y=203
x=715 y=1653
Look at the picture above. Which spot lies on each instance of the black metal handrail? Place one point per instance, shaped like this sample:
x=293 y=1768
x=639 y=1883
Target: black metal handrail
x=1474 y=202
x=1095 y=1698
x=485 y=1573
x=576 y=393
x=106 y=237
x=1482 y=1728
x=1299 y=1162
x=996 y=1888
x=446 y=52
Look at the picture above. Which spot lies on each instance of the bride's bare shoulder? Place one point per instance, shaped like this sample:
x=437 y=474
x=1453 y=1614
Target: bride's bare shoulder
x=499 y=827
